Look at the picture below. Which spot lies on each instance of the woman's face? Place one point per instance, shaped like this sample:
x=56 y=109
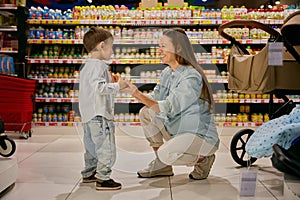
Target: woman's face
x=166 y=50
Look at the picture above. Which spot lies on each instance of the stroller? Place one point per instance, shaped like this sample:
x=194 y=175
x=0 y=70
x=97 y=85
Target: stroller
x=253 y=74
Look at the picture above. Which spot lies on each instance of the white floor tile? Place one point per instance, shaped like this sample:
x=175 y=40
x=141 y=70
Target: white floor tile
x=39 y=191
x=51 y=160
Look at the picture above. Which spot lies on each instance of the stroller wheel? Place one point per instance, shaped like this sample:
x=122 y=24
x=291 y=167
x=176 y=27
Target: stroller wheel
x=7 y=146
x=237 y=148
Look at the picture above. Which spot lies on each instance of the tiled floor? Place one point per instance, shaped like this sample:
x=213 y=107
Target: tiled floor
x=51 y=160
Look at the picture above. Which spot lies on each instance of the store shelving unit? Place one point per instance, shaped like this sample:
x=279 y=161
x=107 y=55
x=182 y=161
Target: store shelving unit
x=118 y=63
x=13 y=28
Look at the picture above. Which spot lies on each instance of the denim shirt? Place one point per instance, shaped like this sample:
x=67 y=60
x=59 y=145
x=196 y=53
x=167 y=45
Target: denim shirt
x=181 y=109
x=96 y=91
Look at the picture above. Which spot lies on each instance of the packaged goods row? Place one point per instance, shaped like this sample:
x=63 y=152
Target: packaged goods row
x=146 y=33
x=187 y=12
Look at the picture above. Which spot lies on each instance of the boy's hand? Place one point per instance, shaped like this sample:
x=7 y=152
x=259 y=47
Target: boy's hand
x=114 y=77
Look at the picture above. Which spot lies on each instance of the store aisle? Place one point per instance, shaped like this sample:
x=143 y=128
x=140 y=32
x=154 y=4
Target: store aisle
x=50 y=163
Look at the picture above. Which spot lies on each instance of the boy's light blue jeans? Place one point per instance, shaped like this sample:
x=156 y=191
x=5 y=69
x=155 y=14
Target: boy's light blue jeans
x=100 y=148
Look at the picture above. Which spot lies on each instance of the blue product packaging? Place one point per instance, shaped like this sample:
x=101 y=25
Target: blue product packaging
x=11 y=65
x=32 y=34
x=37 y=34
x=4 y=65
x=46 y=13
x=1 y=70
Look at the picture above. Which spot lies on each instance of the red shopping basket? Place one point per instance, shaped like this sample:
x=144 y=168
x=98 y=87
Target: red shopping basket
x=16 y=102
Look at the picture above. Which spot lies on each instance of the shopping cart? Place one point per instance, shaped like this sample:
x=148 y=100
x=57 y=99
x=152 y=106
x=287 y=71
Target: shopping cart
x=17 y=104
x=275 y=80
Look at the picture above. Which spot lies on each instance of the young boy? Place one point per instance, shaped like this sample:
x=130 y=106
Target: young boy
x=96 y=105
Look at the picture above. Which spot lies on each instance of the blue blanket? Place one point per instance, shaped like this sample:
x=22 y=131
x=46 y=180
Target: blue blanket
x=282 y=131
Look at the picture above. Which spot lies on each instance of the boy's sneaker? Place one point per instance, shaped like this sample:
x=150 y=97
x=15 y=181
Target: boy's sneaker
x=202 y=169
x=90 y=179
x=107 y=185
x=156 y=168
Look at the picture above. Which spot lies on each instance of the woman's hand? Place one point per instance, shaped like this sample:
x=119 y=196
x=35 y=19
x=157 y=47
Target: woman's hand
x=131 y=88
x=123 y=83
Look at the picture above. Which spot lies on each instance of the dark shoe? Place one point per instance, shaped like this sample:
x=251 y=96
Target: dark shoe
x=108 y=185
x=90 y=179
x=202 y=169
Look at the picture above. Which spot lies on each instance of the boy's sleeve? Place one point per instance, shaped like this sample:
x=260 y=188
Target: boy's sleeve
x=99 y=77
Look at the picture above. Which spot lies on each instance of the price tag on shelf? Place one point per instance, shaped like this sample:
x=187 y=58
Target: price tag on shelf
x=207 y=21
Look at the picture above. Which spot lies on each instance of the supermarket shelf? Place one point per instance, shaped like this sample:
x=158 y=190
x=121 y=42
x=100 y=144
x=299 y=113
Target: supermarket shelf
x=239 y=124
x=56 y=124
x=145 y=41
x=8 y=7
x=56 y=100
x=133 y=100
x=141 y=22
x=56 y=61
x=133 y=80
x=221 y=124
x=217 y=80
x=117 y=61
x=57 y=80
x=251 y=100
x=8 y=51
x=8 y=28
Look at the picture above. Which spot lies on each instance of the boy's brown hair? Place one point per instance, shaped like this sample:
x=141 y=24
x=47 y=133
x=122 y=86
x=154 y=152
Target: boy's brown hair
x=94 y=36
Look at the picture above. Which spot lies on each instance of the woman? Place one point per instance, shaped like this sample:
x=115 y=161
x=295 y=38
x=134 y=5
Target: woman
x=177 y=117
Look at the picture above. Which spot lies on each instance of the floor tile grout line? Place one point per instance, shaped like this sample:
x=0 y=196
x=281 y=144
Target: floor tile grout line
x=170 y=187
x=38 y=150
x=70 y=193
x=261 y=182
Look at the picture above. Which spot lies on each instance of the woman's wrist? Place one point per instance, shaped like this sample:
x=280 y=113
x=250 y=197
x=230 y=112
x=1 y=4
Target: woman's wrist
x=135 y=93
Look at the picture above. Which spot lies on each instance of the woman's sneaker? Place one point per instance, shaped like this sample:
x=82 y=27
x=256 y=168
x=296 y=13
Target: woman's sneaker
x=107 y=185
x=156 y=168
x=202 y=169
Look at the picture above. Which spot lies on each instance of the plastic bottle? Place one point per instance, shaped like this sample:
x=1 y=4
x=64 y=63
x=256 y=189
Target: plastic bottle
x=224 y=12
x=243 y=10
x=77 y=33
x=245 y=33
x=231 y=12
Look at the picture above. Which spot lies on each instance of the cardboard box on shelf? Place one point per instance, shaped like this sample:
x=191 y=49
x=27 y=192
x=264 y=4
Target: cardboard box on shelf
x=149 y=3
x=175 y=2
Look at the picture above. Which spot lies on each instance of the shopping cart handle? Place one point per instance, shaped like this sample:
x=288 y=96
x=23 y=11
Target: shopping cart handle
x=242 y=22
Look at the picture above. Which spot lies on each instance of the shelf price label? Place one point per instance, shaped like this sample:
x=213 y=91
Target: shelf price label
x=206 y=21
x=53 y=100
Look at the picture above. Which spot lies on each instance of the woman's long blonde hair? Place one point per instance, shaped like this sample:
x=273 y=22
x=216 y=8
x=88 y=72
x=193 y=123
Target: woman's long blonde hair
x=186 y=57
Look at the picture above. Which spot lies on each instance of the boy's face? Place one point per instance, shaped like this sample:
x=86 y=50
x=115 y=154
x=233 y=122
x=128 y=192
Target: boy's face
x=107 y=49
x=104 y=50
